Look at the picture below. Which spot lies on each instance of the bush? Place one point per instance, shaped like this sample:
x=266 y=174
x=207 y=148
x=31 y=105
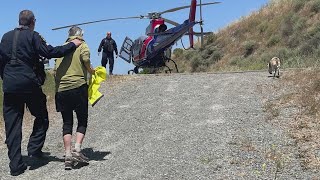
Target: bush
x=216 y=56
x=298 y=5
x=306 y=49
x=315 y=6
x=206 y=53
x=315 y=40
x=286 y=27
x=299 y=24
x=211 y=39
x=294 y=40
x=189 y=55
x=249 y=47
x=273 y=40
x=310 y=45
x=195 y=63
x=284 y=53
x=263 y=27
x=313 y=32
x=178 y=52
x=234 y=61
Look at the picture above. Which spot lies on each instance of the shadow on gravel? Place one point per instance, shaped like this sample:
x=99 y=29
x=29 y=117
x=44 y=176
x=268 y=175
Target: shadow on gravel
x=271 y=76
x=80 y=165
x=36 y=163
x=95 y=155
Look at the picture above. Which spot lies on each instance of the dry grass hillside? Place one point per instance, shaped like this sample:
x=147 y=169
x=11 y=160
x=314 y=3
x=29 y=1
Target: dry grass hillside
x=289 y=29
x=296 y=108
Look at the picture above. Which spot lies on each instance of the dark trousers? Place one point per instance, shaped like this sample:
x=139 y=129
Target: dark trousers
x=105 y=58
x=13 y=110
x=73 y=100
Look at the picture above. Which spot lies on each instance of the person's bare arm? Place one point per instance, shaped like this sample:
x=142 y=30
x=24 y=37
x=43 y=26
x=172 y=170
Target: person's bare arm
x=89 y=68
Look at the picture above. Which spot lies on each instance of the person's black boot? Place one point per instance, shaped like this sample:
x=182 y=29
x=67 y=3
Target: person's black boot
x=19 y=171
x=39 y=155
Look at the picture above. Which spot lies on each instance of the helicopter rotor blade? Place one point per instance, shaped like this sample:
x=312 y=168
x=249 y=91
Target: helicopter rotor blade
x=184 y=7
x=90 y=22
x=170 y=22
x=198 y=34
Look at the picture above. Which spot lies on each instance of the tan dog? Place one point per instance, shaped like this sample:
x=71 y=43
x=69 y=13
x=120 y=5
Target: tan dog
x=274 y=66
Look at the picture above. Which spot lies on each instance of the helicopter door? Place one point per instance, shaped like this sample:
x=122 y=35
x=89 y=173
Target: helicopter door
x=125 y=51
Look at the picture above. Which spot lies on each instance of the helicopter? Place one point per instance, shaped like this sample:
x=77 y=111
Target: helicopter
x=153 y=50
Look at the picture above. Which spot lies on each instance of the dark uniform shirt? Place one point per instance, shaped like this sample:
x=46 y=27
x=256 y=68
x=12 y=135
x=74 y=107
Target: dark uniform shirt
x=19 y=77
x=108 y=46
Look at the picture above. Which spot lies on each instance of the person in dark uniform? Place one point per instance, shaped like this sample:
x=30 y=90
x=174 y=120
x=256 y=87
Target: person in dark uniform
x=108 y=45
x=22 y=48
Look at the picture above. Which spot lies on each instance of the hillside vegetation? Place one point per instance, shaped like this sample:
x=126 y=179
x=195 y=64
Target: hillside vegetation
x=289 y=29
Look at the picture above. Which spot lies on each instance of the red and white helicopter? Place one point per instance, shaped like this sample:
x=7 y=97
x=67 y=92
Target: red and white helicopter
x=154 y=49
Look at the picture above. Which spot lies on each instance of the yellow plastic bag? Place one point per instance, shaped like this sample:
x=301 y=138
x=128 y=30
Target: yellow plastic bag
x=97 y=78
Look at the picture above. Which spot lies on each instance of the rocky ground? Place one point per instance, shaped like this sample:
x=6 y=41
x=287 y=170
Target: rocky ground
x=179 y=126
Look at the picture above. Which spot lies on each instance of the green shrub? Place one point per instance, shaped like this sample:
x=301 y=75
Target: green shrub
x=294 y=40
x=315 y=6
x=249 y=47
x=286 y=27
x=49 y=86
x=310 y=45
x=306 y=49
x=266 y=56
x=313 y=32
x=211 y=39
x=284 y=53
x=298 y=5
x=299 y=24
x=206 y=53
x=178 y=52
x=263 y=26
x=234 y=61
x=195 y=63
x=273 y=40
x=189 y=55
x=216 y=56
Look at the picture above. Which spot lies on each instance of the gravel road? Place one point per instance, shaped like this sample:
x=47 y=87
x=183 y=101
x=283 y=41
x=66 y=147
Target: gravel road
x=179 y=126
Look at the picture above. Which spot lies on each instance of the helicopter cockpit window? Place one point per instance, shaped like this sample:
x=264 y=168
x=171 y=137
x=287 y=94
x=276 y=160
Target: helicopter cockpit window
x=137 y=45
x=162 y=28
x=148 y=29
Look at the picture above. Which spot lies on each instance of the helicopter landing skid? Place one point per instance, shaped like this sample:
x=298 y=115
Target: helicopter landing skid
x=134 y=70
x=175 y=65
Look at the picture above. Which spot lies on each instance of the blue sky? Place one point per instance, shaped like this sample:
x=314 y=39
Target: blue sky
x=55 y=13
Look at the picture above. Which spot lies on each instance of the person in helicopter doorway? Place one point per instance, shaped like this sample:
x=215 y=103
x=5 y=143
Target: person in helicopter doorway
x=108 y=45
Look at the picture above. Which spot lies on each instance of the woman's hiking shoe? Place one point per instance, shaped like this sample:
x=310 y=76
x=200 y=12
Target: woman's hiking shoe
x=79 y=156
x=68 y=163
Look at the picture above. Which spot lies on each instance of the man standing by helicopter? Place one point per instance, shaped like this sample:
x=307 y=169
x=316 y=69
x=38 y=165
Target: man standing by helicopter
x=108 y=45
